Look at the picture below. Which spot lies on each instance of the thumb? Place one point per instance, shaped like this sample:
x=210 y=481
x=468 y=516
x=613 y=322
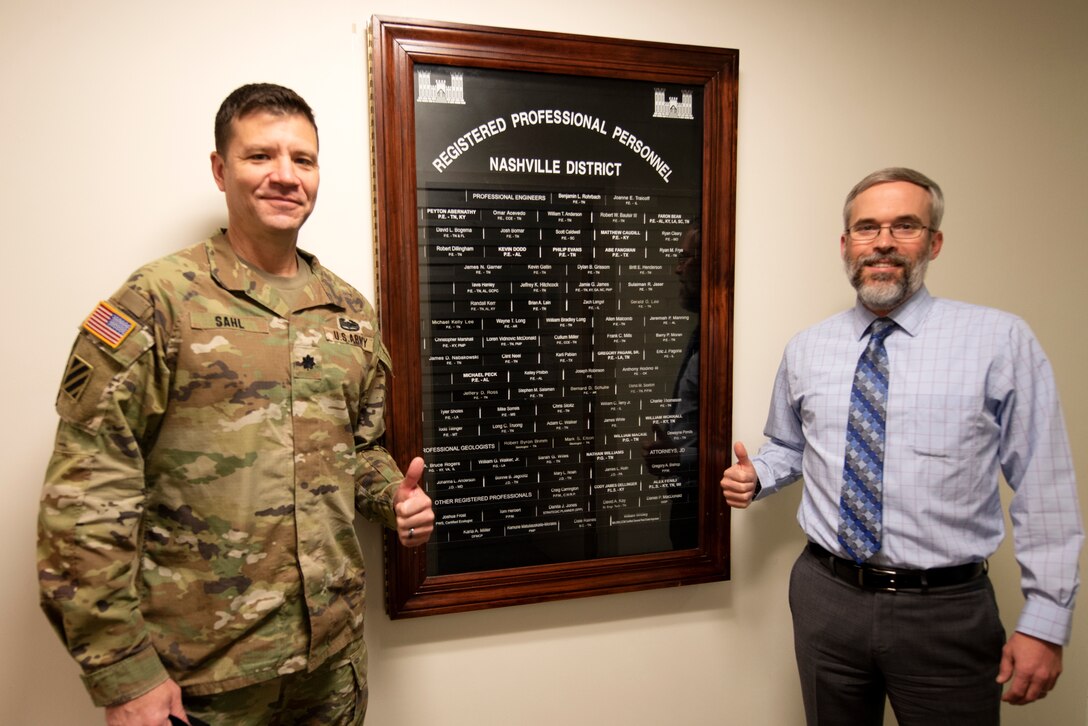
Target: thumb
x=176 y=706
x=1005 y=672
x=413 y=474
x=742 y=454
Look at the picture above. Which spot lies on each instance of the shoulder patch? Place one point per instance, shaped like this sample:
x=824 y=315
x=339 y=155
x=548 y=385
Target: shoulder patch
x=109 y=324
x=76 y=377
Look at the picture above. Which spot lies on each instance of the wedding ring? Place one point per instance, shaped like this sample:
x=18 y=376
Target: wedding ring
x=411 y=532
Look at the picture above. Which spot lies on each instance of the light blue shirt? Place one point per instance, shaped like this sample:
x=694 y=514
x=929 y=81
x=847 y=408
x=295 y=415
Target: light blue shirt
x=971 y=393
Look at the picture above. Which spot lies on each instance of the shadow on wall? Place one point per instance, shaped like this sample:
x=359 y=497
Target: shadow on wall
x=765 y=535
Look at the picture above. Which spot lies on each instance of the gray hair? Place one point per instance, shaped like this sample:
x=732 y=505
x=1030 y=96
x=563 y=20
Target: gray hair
x=899 y=174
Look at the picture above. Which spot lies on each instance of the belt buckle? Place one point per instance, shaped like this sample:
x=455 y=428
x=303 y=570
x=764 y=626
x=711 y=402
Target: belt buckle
x=890 y=574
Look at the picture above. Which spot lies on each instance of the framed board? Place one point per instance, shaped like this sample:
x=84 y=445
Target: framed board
x=554 y=219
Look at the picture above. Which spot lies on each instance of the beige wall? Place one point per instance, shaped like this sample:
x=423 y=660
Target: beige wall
x=107 y=116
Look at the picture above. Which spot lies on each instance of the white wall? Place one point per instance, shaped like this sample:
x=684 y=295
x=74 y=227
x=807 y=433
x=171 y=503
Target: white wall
x=108 y=118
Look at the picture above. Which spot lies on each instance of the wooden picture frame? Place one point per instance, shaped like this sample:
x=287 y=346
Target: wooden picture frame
x=500 y=179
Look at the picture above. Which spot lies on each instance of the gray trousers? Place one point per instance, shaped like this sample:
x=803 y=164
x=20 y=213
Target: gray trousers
x=934 y=654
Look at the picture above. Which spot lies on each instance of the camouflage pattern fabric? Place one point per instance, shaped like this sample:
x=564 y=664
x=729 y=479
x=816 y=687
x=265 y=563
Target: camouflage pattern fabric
x=335 y=694
x=197 y=517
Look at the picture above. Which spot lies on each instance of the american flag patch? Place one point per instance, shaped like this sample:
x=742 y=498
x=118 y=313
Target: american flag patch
x=109 y=324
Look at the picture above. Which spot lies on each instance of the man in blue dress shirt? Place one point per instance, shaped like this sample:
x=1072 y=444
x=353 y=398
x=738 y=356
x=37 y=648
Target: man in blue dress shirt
x=968 y=393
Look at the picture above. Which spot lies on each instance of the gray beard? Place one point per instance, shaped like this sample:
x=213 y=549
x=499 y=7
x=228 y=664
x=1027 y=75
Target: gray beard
x=887 y=294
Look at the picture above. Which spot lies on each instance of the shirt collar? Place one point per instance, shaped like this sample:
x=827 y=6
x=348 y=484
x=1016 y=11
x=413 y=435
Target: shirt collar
x=908 y=316
x=232 y=274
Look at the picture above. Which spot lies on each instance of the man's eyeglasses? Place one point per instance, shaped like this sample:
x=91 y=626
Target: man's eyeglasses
x=867 y=232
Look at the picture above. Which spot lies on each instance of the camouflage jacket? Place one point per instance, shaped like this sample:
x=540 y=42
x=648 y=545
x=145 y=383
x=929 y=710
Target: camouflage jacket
x=197 y=517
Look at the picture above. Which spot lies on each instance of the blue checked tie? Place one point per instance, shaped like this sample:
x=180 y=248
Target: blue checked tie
x=863 y=473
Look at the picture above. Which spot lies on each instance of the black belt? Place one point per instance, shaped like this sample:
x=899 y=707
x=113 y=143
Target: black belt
x=889 y=579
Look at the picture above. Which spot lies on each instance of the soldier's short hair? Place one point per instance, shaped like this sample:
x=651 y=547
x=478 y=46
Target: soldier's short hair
x=254 y=97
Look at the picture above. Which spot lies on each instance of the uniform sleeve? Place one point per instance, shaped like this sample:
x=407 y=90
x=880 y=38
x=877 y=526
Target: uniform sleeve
x=378 y=474
x=778 y=462
x=1038 y=466
x=92 y=503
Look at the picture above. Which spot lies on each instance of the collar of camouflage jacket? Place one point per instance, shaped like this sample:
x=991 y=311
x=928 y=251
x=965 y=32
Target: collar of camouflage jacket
x=230 y=272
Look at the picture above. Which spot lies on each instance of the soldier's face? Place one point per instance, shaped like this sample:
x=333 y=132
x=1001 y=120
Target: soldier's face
x=269 y=174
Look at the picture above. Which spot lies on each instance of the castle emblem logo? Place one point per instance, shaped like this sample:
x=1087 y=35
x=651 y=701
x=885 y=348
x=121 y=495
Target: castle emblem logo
x=440 y=89
x=672 y=106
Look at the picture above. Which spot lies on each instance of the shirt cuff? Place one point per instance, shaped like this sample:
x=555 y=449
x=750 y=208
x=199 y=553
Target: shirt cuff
x=126 y=679
x=764 y=479
x=1046 y=621
x=376 y=486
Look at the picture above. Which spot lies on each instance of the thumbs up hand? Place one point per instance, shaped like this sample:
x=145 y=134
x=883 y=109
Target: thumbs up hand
x=415 y=517
x=739 y=481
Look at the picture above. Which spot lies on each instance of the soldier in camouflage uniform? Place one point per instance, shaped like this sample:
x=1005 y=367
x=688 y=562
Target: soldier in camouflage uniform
x=219 y=425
